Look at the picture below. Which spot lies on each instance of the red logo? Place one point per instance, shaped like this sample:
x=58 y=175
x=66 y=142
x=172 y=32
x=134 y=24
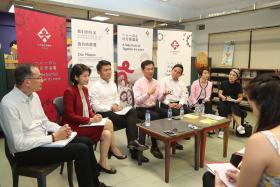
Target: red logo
x=174 y=44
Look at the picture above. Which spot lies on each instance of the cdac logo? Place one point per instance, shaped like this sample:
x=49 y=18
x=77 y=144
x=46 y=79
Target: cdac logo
x=44 y=35
x=174 y=44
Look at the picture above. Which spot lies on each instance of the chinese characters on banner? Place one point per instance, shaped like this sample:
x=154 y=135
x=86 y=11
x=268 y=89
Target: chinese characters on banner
x=174 y=47
x=41 y=40
x=134 y=46
x=228 y=53
x=91 y=42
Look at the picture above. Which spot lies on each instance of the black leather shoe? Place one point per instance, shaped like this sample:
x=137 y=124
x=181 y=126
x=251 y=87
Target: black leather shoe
x=135 y=157
x=101 y=184
x=110 y=154
x=136 y=145
x=109 y=171
x=179 y=146
x=156 y=152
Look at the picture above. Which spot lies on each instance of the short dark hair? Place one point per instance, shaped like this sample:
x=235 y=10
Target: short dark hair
x=14 y=42
x=179 y=66
x=102 y=63
x=264 y=91
x=200 y=71
x=146 y=63
x=22 y=71
x=77 y=70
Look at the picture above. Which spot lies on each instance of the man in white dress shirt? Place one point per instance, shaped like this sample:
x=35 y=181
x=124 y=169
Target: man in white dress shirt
x=27 y=129
x=105 y=100
x=178 y=96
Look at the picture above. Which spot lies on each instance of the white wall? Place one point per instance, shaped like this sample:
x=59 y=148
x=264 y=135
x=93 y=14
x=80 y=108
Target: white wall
x=247 y=20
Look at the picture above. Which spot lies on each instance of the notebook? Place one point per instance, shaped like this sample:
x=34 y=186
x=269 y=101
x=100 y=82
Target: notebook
x=61 y=143
x=221 y=168
x=100 y=123
x=124 y=110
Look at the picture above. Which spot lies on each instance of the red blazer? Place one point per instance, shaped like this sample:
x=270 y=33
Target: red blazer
x=73 y=107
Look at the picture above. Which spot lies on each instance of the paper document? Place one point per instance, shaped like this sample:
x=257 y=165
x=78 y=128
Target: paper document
x=208 y=121
x=241 y=152
x=221 y=168
x=124 y=111
x=61 y=143
x=214 y=117
x=191 y=116
x=100 y=123
x=233 y=100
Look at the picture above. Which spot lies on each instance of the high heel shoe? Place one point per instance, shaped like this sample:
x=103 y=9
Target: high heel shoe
x=109 y=171
x=122 y=157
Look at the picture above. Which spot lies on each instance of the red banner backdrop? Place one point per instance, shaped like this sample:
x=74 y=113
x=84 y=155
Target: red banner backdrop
x=41 y=40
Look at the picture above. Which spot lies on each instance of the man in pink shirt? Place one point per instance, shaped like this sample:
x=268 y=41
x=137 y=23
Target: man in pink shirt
x=147 y=93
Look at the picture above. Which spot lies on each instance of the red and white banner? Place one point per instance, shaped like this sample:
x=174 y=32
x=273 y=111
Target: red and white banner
x=41 y=40
x=174 y=47
x=135 y=45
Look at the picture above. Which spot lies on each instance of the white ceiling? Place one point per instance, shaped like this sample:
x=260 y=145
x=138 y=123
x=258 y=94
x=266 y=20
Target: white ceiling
x=139 y=12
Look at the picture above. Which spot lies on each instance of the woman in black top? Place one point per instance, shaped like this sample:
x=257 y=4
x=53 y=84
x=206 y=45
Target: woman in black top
x=231 y=94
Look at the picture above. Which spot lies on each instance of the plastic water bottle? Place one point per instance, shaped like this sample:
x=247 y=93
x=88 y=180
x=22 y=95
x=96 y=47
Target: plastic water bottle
x=182 y=112
x=169 y=114
x=147 y=118
x=202 y=108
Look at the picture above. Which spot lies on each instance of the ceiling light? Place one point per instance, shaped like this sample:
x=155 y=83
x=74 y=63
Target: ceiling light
x=100 y=18
x=111 y=14
x=12 y=9
x=164 y=0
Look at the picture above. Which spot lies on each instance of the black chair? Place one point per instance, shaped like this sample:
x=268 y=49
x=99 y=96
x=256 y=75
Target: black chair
x=40 y=172
x=58 y=102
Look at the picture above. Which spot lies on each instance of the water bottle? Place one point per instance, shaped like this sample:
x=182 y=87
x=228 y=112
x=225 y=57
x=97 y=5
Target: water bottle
x=182 y=112
x=147 y=118
x=202 y=108
x=169 y=113
x=196 y=109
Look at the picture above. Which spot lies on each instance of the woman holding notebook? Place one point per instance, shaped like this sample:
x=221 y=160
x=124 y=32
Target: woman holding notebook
x=78 y=112
x=261 y=162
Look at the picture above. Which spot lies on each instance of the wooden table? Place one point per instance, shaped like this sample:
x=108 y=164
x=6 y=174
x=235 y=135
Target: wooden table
x=205 y=128
x=156 y=130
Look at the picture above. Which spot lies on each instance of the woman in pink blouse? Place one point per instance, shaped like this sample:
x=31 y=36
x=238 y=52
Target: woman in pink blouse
x=201 y=90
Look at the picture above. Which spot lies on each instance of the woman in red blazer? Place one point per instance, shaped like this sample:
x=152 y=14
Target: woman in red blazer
x=77 y=111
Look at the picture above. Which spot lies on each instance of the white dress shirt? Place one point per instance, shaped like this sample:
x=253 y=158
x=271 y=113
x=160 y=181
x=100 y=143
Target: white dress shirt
x=103 y=95
x=177 y=88
x=24 y=121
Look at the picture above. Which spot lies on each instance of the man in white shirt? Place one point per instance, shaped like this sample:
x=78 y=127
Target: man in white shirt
x=178 y=96
x=105 y=100
x=27 y=129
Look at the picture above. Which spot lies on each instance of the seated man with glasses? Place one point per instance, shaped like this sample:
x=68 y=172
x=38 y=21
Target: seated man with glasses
x=26 y=128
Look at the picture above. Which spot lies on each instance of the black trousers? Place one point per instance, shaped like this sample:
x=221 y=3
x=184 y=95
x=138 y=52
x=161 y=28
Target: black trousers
x=175 y=112
x=156 y=113
x=127 y=121
x=80 y=149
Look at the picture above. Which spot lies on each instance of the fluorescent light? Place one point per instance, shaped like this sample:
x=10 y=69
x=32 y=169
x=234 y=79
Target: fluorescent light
x=111 y=14
x=100 y=18
x=12 y=9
